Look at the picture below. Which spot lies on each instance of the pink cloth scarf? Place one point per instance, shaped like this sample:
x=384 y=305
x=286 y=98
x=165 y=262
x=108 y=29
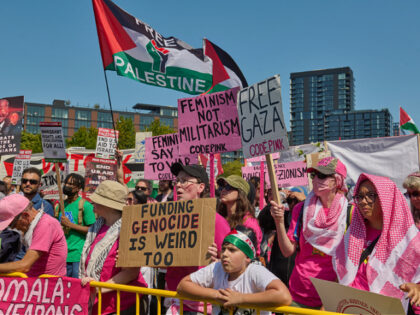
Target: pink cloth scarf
x=395 y=257
x=324 y=230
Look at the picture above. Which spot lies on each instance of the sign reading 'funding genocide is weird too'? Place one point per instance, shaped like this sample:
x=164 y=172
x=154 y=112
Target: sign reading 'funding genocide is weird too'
x=263 y=130
x=53 y=142
x=209 y=123
x=106 y=143
x=161 y=153
x=175 y=233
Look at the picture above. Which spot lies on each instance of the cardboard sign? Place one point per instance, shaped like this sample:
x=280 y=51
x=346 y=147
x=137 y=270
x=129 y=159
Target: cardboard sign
x=53 y=142
x=209 y=123
x=98 y=170
x=11 y=114
x=141 y=146
x=349 y=300
x=263 y=130
x=106 y=143
x=175 y=233
x=161 y=153
x=287 y=174
x=59 y=295
x=22 y=162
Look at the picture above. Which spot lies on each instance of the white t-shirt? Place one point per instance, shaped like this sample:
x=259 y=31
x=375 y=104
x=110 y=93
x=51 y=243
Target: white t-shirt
x=255 y=279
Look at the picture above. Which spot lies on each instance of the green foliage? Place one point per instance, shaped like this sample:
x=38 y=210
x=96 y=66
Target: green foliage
x=127 y=136
x=84 y=137
x=158 y=129
x=232 y=168
x=29 y=141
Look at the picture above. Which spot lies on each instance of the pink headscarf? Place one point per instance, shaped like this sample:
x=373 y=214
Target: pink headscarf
x=396 y=256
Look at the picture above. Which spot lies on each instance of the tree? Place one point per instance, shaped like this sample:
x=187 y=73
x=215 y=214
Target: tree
x=158 y=129
x=232 y=168
x=29 y=141
x=84 y=137
x=127 y=136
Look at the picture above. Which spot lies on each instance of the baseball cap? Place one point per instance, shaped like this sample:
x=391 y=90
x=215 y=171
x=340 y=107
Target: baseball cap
x=196 y=171
x=329 y=166
x=236 y=182
x=10 y=207
x=111 y=194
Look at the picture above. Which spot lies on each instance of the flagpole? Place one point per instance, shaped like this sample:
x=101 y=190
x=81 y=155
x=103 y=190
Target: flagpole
x=110 y=106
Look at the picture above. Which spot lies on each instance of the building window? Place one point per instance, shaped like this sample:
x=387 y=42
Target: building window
x=60 y=114
x=145 y=121
x=83 y=115
x=34 y=115
x=167 y=121
x=104 y=120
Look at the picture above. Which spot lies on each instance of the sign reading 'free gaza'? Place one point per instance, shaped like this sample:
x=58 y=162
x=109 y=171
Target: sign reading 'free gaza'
x=263 y=130
x=209 y=123
x=175 y=233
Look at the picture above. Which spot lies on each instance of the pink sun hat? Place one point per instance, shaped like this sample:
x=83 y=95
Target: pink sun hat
x=10 y=207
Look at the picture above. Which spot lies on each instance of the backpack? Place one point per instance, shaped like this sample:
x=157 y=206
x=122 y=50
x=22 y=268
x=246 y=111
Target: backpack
x=80 y=213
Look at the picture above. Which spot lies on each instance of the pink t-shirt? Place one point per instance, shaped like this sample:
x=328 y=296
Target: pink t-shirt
x=48 y=238
x=174 y=275
x=309 y=263
x=109 y=300
x=360 y=281
x=252 y=223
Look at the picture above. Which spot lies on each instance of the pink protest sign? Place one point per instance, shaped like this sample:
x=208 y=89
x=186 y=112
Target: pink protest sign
x=161 y=153
x=43 y=296
x=288 y=174
x=209 y=123
x=261 y=158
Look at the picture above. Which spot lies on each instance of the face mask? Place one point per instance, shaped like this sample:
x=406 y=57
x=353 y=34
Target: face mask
x=68 y=191
x=322 y=186
x=140 y=197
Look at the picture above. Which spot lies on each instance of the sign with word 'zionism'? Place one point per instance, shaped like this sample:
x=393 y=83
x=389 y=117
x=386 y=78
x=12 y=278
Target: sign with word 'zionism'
x=260 y=111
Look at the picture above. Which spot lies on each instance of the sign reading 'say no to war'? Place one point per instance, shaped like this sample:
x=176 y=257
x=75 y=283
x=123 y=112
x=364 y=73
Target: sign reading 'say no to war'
x=263 y=130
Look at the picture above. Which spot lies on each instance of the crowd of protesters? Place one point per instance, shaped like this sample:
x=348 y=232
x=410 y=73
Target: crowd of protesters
x=263 y=256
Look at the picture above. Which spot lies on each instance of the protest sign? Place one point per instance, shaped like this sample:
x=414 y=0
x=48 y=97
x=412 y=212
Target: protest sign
x=256 y=160
x=22 y=162
x=161 y=153
x=11 y=113
x=287 y=174
x=53 y=142
x=141 y=146
x=209 y=123
x=106 y=143
x=175 y=233
x=349 y=300
x=263 y=130
x=98 y=170
x=58 y=295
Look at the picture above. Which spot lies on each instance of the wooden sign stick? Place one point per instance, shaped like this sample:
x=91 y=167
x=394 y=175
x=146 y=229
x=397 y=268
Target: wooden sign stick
x=273 y=179
x=60 y=190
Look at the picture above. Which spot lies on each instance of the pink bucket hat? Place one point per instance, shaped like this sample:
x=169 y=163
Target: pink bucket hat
x=329 y=166
x=10 y=207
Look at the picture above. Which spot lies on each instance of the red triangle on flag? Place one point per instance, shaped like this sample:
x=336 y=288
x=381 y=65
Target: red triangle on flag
x=219 y=72
x=404 y=118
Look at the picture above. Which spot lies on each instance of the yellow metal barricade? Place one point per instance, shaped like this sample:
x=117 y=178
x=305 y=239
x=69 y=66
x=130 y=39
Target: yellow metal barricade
x=171 y=294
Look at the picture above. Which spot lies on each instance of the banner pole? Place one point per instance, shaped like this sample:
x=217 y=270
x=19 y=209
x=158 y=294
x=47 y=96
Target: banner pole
x=60 y=190
x=262 y=179
x=110 y=107
x=273 y=179
x=212 y=188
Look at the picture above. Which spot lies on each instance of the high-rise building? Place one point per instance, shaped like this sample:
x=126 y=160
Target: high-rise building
x=396 y=131
x=313 y=94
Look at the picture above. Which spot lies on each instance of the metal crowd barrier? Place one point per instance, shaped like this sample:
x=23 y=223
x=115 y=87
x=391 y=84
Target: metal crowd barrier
x=171 y=294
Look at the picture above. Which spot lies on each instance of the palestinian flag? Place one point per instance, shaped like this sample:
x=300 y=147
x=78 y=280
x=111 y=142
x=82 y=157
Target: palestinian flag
x=135 y=50
x=407 y=123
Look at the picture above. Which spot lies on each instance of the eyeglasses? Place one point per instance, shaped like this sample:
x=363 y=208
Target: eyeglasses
x=183 y=181
x=370 y=197
x=227 y=187
x=141 y=188
x=319 y=175
x=412 y=194
x=32 y=181
x=129 y=200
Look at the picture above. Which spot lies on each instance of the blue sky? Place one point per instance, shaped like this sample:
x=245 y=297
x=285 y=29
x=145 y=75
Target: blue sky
x=49 y=49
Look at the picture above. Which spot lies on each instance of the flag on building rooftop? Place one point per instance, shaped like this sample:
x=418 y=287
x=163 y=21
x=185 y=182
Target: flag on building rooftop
x=135 y=50
x=407 y=123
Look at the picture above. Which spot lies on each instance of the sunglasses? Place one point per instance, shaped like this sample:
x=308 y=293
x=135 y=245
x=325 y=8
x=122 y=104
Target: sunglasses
x=370 y=197
x=141 y=188
x=129 y=199
x=227 y=187
x=412 y=194
x=32 y=181
x=319 y=175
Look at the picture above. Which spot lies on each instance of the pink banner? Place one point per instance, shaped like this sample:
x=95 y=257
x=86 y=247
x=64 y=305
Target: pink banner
x=209 y=123
x=43 y=296
x=261 y=158
x=288 y=174
x=161 y=153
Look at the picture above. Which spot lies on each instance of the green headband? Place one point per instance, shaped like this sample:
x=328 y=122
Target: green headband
x=241 y=241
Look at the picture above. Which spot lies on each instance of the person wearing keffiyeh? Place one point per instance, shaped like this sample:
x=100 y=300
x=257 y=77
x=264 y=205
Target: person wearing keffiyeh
x=412 y=184
x=381 y=249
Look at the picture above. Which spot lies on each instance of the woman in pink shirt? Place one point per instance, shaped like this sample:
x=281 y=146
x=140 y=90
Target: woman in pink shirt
x=235 y=206
x=381 y=249
x=100 y=250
